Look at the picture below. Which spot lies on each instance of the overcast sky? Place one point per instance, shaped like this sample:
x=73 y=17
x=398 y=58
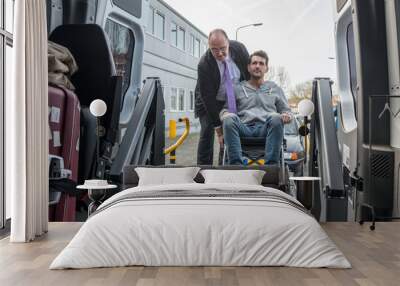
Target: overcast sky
x=297 y=34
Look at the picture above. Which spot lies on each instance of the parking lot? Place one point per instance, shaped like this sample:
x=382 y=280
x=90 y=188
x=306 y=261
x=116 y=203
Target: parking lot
x=186 y=154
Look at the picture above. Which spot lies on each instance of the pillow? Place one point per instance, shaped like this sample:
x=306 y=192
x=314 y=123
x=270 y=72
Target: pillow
x=166 y=176
x=249 y=177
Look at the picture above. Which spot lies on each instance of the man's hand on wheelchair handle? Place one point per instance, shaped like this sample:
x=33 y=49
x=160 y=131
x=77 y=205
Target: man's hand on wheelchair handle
x=286 y=118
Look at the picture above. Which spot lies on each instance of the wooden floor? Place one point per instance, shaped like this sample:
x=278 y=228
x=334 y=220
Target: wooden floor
x=374 y=255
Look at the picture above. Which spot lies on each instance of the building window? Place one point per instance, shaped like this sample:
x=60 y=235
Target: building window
x=181 y=99
x=194 y=46
x=174 y=34
x=177 y=36
x=191 y=100
x=197 y=48
x=181 y=39
x=174 y=99
x=6 y=68
x=159 y=25
x=191 y=47
x=122 y=45
x=156 y=23
x=203 y=48
x=177 y=99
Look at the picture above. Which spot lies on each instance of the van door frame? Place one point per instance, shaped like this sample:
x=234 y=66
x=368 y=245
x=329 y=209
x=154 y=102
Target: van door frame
x=106 y=10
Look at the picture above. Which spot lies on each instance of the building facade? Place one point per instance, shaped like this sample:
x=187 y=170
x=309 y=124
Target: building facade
x=172 y=49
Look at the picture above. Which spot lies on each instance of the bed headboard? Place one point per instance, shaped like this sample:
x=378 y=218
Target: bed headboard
x=272 y=177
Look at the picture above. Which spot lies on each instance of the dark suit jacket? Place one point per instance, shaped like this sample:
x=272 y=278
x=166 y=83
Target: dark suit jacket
x=209 y=79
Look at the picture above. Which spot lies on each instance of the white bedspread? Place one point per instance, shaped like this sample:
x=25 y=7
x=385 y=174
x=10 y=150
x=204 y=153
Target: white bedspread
x=200 y=231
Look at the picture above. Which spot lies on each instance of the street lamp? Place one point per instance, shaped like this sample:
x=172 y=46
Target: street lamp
x=249 y=25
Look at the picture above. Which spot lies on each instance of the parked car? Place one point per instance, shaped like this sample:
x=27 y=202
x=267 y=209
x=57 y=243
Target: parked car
x=294 y=151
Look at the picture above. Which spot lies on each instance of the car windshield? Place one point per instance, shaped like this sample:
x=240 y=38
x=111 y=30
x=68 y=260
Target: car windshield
x=292 y=128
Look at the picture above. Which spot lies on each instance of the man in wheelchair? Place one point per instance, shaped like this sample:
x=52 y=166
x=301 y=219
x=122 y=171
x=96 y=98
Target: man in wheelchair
x=255 y=108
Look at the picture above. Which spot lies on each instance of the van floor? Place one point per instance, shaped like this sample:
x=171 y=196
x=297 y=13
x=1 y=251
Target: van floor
x=374 y=255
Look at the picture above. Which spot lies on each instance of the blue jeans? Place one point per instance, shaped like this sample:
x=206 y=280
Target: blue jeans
x=271 y=130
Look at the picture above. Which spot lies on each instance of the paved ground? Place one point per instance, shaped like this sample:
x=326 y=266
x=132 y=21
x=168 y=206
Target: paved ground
x=186 y=154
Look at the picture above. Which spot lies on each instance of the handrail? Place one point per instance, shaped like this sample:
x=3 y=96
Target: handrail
x=181 y=139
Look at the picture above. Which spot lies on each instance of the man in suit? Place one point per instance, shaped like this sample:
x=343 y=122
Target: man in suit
x=223 y=65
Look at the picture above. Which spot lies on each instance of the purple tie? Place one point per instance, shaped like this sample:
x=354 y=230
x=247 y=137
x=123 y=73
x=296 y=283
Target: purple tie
x=229 y=89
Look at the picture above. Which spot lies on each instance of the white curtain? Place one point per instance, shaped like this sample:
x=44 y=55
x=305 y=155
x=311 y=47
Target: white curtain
x=26 y=124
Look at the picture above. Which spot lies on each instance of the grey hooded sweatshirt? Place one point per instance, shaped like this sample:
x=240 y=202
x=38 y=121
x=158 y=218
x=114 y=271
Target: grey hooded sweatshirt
x=253 y=105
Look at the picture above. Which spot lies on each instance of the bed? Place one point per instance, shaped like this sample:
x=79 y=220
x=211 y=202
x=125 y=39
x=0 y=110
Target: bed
x=201 y=224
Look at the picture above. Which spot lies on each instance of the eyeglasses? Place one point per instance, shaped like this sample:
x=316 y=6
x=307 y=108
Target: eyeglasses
x=217 y=50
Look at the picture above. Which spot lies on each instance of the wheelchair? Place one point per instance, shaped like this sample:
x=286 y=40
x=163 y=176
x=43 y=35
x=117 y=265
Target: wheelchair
x=253 y=151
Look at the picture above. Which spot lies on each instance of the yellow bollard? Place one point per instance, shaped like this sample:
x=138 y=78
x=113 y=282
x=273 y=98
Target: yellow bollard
x=172 y=134
x=172 y=129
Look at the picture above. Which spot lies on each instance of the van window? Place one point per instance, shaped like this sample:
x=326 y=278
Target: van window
x=122 y=45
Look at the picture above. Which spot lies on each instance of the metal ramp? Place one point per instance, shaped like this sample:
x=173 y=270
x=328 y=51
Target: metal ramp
x=330 y=202
x=144 y=139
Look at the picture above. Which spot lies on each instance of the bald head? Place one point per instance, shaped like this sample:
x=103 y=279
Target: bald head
x=218 y=33
x=219 y=44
